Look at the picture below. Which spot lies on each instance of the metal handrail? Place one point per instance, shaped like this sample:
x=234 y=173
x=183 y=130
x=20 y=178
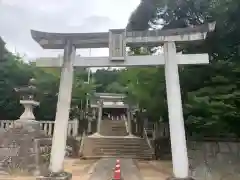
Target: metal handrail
x=146 y=137
x=81 y=143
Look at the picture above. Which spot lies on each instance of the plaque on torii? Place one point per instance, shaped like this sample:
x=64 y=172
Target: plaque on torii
x=117 y=45
x=117 y=41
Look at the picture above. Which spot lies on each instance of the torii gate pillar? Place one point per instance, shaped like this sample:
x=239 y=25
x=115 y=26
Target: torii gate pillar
x=63 y=108
x=175 y=113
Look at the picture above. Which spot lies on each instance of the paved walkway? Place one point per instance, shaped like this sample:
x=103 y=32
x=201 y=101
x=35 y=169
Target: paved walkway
x=105 y=167
x=154 y=170
x=80 y=169
x=103 y=170
x=129 y=170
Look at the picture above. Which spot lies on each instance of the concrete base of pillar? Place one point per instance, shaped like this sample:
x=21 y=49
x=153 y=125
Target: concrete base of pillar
x=56 y=176
x=174 y=178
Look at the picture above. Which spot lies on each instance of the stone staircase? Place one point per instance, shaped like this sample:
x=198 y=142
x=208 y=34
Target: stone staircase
x=124 y=147
x=113 y=128
x=114 y=142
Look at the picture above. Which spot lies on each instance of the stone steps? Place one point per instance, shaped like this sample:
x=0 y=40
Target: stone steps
x=119 y=146
x=130 y=156
x=2 y=170
x=136 y=148
x=121 y=151
x=113 y=128
x=114 y=141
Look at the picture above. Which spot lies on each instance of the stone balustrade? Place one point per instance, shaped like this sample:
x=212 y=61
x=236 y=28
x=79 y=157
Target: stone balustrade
x=157 y=130
x=46 y=126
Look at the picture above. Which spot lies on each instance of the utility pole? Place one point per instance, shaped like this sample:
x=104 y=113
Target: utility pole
x=88 y=81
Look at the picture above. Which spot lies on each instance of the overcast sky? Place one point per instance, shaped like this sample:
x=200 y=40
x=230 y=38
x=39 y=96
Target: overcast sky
x=17 y=17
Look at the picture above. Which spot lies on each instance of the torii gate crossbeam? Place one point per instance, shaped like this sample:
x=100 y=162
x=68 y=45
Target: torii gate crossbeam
x=129 y=61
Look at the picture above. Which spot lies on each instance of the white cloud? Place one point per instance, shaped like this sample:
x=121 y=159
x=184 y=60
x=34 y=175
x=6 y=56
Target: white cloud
x=18 y=17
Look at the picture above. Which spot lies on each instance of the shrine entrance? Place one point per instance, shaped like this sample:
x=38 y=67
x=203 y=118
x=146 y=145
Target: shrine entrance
x=110 y=106
x=117 y=40
x=114 y=113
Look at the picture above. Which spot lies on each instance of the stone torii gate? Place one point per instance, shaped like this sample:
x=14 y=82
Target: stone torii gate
x=117 y=40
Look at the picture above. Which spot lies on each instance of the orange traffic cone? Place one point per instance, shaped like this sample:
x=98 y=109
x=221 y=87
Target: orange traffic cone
x=117 y=171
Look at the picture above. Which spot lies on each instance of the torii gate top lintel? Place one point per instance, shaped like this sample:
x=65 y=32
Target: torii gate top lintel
x=102 y=39
x=117 y=40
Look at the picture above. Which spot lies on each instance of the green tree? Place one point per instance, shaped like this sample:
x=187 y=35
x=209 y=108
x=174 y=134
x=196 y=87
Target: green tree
x=211 y=97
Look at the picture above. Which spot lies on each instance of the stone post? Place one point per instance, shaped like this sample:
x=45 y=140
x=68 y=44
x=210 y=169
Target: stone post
x=89 y=125
x=175 y=113
x=63 y=108
x=94 y=113
x=129 y=121
x=75 y=127
x=100 y=106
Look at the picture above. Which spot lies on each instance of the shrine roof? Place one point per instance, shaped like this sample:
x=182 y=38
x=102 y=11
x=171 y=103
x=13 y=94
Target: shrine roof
x=109 y=95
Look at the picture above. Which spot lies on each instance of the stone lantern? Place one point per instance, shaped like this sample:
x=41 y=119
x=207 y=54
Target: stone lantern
x=27 y=94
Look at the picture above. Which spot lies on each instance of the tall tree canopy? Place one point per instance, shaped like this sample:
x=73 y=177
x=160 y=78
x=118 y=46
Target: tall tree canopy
x=211 y=92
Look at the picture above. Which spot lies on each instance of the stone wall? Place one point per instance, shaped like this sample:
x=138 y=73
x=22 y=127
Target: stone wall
x=211 y=159
x=27 y=150
x=17 y=149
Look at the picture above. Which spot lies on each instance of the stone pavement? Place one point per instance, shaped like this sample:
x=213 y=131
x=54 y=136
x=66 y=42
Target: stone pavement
x=132 y=169
x=104 y=169
x=129 y=170
x=155 y=170
x=80 y=169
